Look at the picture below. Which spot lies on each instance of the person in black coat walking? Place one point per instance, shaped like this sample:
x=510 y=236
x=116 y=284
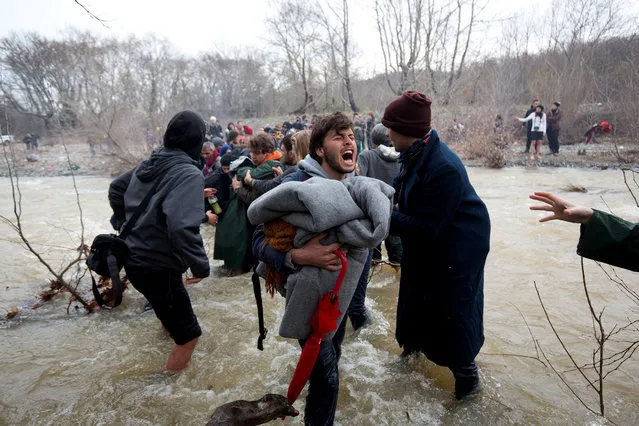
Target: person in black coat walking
x=445 y=231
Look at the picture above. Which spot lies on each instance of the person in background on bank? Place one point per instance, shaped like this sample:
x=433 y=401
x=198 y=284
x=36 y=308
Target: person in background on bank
x=538 y=123
x=594 y=131
x=554 y=125
x=445 y=231
x=603 y=237
x=528 y=125
x=162 y=250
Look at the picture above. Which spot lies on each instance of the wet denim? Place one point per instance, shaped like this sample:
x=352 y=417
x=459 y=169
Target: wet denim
x=357 y=309
x=323 y=385
x=165 y=290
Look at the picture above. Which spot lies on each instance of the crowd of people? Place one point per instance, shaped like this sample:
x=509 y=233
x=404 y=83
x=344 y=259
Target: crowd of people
x=301 y=202
x=539 y=124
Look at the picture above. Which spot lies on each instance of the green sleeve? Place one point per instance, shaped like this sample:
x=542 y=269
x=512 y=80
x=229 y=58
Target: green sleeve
x=265 y=171
x=609 y=239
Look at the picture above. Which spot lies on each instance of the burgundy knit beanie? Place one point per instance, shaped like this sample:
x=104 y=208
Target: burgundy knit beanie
x=409 y=115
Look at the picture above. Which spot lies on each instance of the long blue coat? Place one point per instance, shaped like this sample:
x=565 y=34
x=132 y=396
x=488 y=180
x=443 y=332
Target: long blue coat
x=445 y=232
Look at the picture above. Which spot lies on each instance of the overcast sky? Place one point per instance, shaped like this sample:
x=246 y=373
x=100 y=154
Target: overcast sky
x=194 y=26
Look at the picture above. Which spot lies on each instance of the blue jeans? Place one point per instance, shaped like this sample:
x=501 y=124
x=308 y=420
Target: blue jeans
x=323 y=385
x=394 y=249
x=357 y=309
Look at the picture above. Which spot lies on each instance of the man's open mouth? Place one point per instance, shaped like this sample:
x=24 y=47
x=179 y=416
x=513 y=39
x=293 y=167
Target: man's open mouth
x=348 y=156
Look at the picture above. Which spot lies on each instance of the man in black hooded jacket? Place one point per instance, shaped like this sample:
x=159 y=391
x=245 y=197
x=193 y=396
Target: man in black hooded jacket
x=166 y=241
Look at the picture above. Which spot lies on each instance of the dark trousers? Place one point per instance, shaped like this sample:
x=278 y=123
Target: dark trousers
x=394 y=249
x=528 y=139
x=323 y=385
x=357 y=309
x=169 y=299
x=553 y=140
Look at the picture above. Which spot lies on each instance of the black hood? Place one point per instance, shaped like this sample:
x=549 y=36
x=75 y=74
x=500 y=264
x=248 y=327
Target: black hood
x=160 y=161
x=186 y=131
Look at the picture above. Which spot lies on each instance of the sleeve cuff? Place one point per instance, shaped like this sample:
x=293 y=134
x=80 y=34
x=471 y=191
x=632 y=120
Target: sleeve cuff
x=288 y=261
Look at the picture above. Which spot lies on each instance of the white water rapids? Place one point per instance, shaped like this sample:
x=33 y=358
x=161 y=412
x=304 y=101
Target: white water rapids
x=106 y=368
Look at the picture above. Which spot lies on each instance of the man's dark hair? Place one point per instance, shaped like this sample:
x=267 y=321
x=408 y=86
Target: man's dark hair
x=287 y=142
x=336 y=121
x=262 y=143
x=233 y=135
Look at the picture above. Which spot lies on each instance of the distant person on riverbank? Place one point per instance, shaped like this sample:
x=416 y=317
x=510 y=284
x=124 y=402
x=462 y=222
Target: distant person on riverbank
x=554 y=126
x=30 y=142
x=528 y=125
x=604 y=237
x=165 y=240
x=538 y=123
x=597 y=128
x=445 y=231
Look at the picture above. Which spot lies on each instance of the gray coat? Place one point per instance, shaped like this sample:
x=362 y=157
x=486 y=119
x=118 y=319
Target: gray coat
x=355 y=212
x=167 y=234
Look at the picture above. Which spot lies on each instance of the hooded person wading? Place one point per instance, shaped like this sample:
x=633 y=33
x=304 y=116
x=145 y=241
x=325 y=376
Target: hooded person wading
x=165 y=240
x=445 y=232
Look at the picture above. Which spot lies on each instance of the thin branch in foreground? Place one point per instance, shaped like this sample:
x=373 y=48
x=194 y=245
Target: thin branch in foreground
x=101 y=21
x=625 y=181
x=552 y=326
x=566 y=383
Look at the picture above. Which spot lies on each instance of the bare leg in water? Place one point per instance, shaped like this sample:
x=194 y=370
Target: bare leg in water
x=180 y=356
x=538 y=149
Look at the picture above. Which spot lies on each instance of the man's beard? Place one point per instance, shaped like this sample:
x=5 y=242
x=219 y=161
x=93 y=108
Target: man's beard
x=333 y=162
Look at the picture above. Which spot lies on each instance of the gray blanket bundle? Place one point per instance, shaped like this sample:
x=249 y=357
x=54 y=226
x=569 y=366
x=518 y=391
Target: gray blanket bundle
x=354 y=212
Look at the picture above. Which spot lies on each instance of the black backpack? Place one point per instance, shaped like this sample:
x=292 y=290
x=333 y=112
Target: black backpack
x=109 y=253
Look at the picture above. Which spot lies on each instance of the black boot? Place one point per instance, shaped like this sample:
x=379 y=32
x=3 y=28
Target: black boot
x=466 y=381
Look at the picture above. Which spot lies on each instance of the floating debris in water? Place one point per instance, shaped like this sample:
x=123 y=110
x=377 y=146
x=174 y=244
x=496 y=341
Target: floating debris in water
x=13 y=312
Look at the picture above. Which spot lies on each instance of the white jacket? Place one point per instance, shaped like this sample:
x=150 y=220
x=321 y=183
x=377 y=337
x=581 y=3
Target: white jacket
x=537 y=121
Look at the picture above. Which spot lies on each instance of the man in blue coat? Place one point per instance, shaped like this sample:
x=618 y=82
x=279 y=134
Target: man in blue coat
x=445 y=232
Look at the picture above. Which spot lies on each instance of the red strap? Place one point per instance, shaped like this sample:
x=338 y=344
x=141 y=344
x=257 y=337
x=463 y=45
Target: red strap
x=308 y=357
x=342 y=272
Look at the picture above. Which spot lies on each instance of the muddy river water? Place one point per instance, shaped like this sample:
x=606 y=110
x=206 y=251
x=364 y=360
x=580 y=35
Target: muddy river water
x=106 y=368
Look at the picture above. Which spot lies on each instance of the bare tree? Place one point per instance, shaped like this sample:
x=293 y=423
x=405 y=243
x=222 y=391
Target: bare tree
x=298 y=39
x=399 y=25
x=16 y=224
x=448 y=28
x=336 y=22
x=603 y=361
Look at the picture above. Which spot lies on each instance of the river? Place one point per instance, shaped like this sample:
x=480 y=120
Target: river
x=105 y=368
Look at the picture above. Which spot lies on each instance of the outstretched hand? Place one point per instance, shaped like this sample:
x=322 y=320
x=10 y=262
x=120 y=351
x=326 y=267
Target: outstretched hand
x=561 y=210
x=316 y=254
